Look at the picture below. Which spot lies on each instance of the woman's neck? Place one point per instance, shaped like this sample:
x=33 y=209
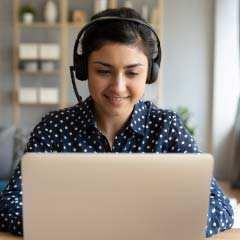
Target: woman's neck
x=110 y=125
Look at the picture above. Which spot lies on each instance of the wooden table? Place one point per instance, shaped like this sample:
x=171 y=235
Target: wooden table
x=233 y=234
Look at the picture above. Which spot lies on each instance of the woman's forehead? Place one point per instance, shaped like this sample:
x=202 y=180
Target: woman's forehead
x=115 y=52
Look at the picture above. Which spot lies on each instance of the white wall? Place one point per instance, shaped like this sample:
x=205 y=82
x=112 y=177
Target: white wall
x=201 y=70
x=226 y=83
x=188 y=58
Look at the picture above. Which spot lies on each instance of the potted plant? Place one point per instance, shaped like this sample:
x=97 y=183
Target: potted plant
x=185 y=115
x=27 y=13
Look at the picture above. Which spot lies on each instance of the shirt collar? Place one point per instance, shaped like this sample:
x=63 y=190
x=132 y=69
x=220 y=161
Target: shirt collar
x=137 y=120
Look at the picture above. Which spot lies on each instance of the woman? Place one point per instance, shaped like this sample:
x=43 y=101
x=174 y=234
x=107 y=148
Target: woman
x=113 y=119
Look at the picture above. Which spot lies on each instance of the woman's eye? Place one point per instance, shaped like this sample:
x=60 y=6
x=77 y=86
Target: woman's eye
x=132 y=74
x=103 y=72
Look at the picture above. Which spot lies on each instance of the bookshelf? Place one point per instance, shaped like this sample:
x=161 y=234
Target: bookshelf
x=63 y=30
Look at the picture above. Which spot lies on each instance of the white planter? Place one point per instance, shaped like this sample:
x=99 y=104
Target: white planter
x=100 y=5
x=50 y=12
x=28 y=18
x=128 y=4
x=31 y=66
x=47 y=66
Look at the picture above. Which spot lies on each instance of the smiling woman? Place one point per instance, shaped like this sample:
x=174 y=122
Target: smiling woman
x=116 y=84
x=120 y=53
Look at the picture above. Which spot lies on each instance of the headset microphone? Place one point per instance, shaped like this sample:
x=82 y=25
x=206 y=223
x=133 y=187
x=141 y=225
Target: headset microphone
x=79 y=98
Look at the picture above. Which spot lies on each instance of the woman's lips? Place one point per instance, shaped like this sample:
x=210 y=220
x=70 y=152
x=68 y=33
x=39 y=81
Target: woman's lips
x=115 y=100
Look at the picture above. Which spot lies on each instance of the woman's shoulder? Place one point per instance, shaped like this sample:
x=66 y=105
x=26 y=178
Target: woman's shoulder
x=156 y=113
x=59 y=117
x=62 y=113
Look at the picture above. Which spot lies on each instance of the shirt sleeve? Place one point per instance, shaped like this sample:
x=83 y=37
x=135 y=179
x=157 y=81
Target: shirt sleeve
x=220 y=212
x=11 y=219
x=180 y=139
x=11 y=205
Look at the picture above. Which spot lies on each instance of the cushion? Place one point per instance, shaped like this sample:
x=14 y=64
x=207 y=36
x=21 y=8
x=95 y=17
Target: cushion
x=19 y=142
x=3 y=184
x=6 y=151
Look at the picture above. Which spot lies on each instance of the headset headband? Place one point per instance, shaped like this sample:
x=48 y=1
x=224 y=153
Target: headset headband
x=157 y=59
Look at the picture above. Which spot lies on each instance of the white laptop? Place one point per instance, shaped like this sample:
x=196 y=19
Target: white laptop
x=83 y=196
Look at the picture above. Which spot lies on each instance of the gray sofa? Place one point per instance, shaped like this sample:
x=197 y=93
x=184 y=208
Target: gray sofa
x=12 y=144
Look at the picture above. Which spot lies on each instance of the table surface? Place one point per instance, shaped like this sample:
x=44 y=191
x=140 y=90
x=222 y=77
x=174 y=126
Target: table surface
x=232 y=234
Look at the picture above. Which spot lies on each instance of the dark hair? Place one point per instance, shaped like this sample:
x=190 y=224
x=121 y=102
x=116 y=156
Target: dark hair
x=119 y=31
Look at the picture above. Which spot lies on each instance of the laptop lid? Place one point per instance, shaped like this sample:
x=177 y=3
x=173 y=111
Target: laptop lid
x=115 y=196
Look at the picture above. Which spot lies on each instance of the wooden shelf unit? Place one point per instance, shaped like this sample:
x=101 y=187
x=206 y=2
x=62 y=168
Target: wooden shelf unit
x=18 y=74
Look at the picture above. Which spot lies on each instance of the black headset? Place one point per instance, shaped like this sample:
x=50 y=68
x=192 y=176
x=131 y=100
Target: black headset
x=80 y=60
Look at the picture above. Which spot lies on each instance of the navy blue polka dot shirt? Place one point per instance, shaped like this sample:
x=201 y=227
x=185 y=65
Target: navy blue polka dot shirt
x=74 y=129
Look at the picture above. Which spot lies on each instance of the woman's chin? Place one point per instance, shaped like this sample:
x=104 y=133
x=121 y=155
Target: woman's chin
x=117 y=108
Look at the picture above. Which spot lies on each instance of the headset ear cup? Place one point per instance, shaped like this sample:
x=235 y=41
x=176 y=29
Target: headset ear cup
x=154 y=73
x=80 y=64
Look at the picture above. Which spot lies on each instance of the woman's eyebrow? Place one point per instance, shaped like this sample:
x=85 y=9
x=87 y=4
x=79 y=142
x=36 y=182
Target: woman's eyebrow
x=127 y=66
x=133 y=65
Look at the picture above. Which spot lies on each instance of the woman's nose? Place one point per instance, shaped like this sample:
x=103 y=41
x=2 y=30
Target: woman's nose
x=119 y=83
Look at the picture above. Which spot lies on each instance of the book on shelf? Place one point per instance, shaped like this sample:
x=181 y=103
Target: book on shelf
x=48 y=95
x=28 y=95
x=49 y=51
x=28 y=51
